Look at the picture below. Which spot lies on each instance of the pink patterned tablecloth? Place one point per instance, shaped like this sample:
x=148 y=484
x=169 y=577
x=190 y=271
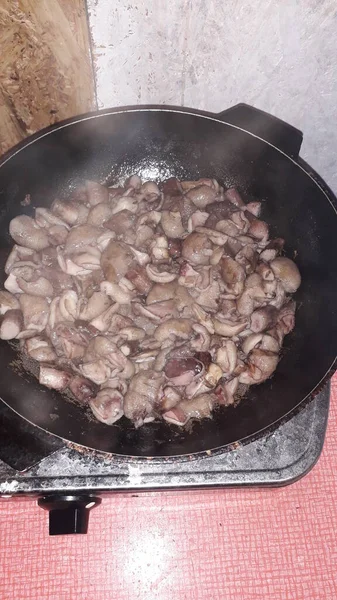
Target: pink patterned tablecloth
x=225 y=544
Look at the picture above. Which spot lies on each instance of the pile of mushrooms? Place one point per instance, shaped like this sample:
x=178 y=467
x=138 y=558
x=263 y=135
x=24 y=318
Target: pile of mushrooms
x=149 y=301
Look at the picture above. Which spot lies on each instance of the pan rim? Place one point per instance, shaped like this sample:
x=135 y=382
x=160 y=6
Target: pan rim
x=300 y=163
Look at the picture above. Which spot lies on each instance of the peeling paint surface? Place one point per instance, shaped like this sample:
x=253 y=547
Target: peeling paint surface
x=278 y=56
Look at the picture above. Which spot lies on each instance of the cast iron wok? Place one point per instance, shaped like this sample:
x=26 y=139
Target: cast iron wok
x=240 y=147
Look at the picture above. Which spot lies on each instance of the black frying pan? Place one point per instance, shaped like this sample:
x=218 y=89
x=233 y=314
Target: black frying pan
x=240 y=147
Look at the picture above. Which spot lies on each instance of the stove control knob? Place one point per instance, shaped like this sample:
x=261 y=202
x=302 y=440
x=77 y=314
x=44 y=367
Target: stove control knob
x=68 y=514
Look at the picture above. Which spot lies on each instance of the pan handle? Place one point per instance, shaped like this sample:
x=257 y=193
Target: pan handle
x=271 y=129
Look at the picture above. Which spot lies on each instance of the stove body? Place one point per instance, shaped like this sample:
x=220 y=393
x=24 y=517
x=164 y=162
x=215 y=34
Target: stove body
x=70 y=480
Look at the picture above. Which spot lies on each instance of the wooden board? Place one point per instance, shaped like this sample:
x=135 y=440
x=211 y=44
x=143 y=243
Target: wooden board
x=45 y=68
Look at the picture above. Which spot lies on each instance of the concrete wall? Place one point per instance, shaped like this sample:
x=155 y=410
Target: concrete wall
x=278 y=55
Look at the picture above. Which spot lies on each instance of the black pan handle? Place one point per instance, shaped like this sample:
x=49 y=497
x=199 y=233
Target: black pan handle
x=271 y=129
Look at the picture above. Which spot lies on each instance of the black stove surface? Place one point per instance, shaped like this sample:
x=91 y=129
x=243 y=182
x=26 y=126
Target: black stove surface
x=21 y=444
x=69 y=480
x=34 y=462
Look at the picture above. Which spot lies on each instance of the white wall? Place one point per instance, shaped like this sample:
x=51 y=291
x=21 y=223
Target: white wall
x=278 y=55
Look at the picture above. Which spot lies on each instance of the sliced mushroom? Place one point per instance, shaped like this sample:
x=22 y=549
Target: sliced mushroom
x=209 y=298
x=233 y=275
x=234 y=197
x=197 y=219
x=159 y=249
x=97 y=304
x=134 y=182
x=286 y=317
x=226 y=357
x=115 y=291
x=104 y=321
x=265 y=271
x=141 y=257
x=263 y=318
x=67 y=211
x=68 y=305
x=116 y=261
x=25 y=232
x=261 y=365
x=43 y=354
x=106 y=349
x=251 y=342
x=35 y=311
x=203 y=317
x=132 y=333
x=201 y=195
x=11 y=285
x=89 y=260
x=202 y=339
x=252 y=296
x=278 y=296
x=142 y=396
x=188 y=277
x=96 y=193
x=8 y=302
x=228 y=328
x=287 y=272
x=57 y=234
x=11 y=324
x=172 y=224
x=54 y=378
x=173 y=328
x=80 y=237
x=199 y=408
x=97 y=371
x=164 y=310
x=225 y=391
x=69 y=341
x=273 y=248
x=45 y=218
x=159 y=276
x=107 y=406
x=191 y=291
x=150 y=190
x=182 y=372
x=19 y=253
x=82 y=388
x=254 y=208
x=197 y=249
x=268 y=342
x=161 y=291
x=139 y=278
x=258 y=229
x=40 y=287
x=218 y=238
x=121 y=222
x=240 y=220
x=228 y=227
x=170 y=398
x=69 y=267
x=55 y=315
x=128 y=203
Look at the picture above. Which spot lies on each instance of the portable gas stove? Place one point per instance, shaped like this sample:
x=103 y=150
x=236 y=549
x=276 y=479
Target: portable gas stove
x=69 y=480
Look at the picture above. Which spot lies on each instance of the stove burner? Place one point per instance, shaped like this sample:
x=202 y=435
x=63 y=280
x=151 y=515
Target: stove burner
x=68 y=479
